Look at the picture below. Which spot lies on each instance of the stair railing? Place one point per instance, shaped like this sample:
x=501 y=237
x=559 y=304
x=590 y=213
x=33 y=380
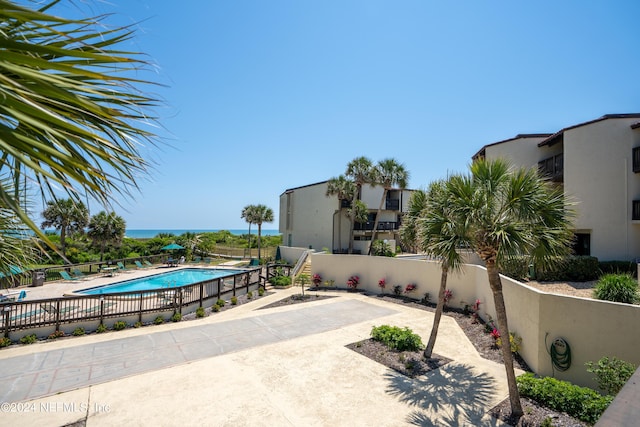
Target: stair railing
x=300 y=264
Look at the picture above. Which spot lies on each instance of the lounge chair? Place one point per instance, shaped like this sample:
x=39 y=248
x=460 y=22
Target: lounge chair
x=79 y=274
x=121 y=267
x=196 y=260
x=140 y=266
x=254 y=262
x=51 y=310
x=66 y=276
x=147 y=263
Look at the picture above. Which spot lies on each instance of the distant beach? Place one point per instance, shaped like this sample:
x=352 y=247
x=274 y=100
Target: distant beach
x=148 y=234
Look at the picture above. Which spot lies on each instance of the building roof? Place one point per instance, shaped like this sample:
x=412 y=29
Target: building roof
x=288 y=190
x=559 y=136
x=635 y=125
x=482 y=151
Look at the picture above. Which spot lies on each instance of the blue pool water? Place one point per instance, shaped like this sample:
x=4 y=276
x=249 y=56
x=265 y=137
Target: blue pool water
x=172 y=279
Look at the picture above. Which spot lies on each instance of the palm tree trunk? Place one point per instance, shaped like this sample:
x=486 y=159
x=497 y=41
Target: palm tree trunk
x=249 y=243
x=259 y=238
x=339 y=225
x=375 y=223
x=501 y=314
x=353 y=219
x=439 y=309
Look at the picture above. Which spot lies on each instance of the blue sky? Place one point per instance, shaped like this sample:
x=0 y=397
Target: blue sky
x=261 y=96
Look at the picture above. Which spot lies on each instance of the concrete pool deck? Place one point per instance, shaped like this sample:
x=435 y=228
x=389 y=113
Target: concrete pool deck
x=285 y=366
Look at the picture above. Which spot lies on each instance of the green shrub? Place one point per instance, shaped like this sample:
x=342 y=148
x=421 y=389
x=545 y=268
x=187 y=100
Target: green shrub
x=381 y=248
x=78 y=332
x=573 y=268
x=55 y=334
x=249 y=294
x=200 y=312
x=515 y=342
x=579 y=402
x=617 y=267
x=220 y=302
x=5 y=342
x=158 y=320
x=28 y=339
x=101 y=328
x=234 y=300
x=215 y=308
x=280 y=281
x=397 y=290
x=260 y=291
x=516 y=267
x=119 y=325
x=176 y=317
x=611 y=375
x=400 y=339
x=137 y=324
x=618 y=288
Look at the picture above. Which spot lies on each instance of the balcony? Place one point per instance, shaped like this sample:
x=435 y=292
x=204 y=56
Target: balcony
x=636 y=159
x=393 y=205
x=552 y=168
x=382 y=226
x=345 y=203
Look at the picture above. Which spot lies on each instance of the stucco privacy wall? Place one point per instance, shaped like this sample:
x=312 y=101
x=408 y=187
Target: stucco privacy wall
x=592 y=328
x=291 y=254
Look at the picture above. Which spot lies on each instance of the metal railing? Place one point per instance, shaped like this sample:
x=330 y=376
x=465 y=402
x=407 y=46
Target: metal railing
x=40 y=313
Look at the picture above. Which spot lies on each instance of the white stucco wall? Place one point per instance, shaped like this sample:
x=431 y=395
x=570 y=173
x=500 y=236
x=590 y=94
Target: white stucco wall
x=598 y=174
x=518 y=151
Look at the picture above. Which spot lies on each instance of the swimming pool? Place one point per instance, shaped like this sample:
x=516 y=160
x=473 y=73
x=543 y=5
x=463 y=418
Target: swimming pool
x=176 y=278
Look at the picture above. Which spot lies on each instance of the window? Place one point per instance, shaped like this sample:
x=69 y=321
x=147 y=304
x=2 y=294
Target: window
x=636 y=160
x=582 y=244
x=635 y=210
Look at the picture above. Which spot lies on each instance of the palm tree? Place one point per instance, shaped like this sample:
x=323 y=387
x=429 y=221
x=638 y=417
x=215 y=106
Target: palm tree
x=66 y=215
x=106 y=228
x=343 y=188
x=387 y=173
x=504 y=213
x=248 y=213
x=73 y=116
x=438 y=235
x=359 y=212
x=261 y=213
x=360 y=171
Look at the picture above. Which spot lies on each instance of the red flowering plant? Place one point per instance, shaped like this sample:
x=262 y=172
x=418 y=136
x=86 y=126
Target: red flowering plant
x=495 y=334
x=316 y=279
x=382 y=283
x=353 y=282
x=410 y=288
x=448 y=294
x=475 y=308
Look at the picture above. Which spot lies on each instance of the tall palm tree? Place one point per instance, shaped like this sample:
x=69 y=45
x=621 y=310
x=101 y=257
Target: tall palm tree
x=360 y=171
x=504 y=213
x=261 y=214
x=387 y=173
x=248 y=213
x=66 y=215
x=343 y=188
x=438 y=235
x=106 y=228
x=72 y=115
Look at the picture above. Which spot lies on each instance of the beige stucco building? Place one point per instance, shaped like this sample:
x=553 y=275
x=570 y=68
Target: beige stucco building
x=309 y=218
x=598 y=165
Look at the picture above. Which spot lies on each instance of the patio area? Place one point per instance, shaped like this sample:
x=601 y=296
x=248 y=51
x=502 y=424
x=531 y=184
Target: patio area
x=280 y=366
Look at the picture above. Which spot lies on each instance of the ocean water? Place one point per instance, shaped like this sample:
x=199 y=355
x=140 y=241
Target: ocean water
x=148 y=234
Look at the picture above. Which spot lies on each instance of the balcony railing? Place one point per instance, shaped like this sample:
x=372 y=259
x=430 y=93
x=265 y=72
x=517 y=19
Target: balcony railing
x=393 y=205
x=382 y=226
x=552 y=168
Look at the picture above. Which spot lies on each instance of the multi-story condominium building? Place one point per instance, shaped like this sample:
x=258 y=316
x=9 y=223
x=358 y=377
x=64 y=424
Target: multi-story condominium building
x=309 y=218
x=598 y=165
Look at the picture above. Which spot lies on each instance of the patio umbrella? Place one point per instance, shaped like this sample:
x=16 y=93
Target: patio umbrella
x=172 y=246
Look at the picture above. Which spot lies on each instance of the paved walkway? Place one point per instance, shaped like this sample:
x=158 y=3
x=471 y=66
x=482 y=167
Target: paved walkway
x=286 y=366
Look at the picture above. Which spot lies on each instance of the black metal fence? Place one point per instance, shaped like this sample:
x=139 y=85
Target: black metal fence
x=41 y=313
